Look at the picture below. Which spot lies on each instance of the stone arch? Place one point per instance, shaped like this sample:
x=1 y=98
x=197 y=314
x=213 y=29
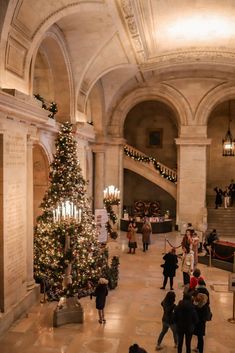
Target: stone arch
x=223 y=92
x=96 y=104
x=40 y=177
x=163 y=93
x=56 y=65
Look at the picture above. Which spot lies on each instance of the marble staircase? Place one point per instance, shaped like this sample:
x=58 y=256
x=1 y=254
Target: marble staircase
x=223 y=220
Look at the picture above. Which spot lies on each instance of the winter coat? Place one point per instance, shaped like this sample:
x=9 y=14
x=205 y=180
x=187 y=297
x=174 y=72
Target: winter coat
x=204 y=290
x=168 y=314
x=187 y=262
x=185 y=317
x=170 y=264
x=132 y=234
x=201 y=309
x=146 y=232
x=100 y=293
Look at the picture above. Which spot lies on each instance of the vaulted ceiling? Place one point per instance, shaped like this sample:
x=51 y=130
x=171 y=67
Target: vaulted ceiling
x=123 y=43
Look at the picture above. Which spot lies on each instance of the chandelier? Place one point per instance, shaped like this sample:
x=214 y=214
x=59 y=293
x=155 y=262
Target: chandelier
x=111 y=195
x=228 y=141
x=67 y=211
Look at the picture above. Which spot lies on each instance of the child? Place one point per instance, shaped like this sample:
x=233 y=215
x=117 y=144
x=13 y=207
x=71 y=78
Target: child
x=101 y=293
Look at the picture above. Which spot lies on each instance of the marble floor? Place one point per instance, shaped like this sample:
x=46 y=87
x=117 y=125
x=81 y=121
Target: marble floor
x=133 y=311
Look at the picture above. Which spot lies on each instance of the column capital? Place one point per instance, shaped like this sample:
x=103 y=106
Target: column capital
x=193 y=141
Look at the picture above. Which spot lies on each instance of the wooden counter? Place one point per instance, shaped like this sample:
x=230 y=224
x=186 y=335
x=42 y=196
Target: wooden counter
x=157 y=227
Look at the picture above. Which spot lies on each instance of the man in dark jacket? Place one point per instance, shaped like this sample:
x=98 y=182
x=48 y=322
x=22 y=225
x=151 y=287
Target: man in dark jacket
x=170 y=267
x=185 y=318
x=212 y=237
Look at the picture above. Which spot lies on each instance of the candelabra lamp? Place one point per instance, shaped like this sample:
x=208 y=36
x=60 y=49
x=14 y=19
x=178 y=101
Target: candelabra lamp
x=69 y=309
x=111 y=198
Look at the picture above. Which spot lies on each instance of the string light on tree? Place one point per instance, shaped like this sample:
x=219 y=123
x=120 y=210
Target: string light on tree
x=67 y=254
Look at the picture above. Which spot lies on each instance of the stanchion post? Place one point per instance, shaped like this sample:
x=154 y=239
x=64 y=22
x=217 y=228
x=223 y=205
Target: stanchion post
x=210 y=252
x=234 y=262
x=232 y=320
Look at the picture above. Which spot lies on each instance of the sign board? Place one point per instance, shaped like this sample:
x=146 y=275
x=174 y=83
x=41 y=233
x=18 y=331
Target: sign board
x=101 y=218
x=231 y=282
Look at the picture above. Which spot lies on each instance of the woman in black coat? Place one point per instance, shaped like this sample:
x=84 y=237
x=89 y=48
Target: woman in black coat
x=202 y=307
x=186 y=318
x=169 y=267
x=101 y=293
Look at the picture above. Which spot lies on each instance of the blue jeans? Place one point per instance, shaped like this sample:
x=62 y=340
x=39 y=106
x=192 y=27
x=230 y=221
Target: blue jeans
x=165 y=328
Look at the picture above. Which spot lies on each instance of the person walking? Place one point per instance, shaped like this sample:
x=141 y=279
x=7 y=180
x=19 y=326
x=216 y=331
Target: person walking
x=185 y=317
x=195 y=244
x=131 y=235
x=209 y=241
x=202 y=307
x=201 y=288
x=187 y=265
x=194 y=280
x=218 y=197
x=146 y=232
x=169 y=267
x=101 y=293
x=168 y=305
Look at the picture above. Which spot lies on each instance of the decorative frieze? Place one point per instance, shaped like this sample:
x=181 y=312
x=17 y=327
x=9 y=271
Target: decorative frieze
x=129 y=16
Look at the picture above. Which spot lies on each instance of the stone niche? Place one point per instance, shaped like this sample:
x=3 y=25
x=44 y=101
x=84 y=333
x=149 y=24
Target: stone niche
x=13 y=227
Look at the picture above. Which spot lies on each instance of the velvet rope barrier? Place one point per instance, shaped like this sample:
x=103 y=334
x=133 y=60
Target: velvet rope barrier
x=176 y=247
x=222 y=257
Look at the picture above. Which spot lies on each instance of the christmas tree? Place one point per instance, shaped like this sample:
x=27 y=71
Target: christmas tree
x=67 y=255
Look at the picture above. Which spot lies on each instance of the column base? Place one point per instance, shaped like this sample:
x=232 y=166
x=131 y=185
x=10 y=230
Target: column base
x=70 y=312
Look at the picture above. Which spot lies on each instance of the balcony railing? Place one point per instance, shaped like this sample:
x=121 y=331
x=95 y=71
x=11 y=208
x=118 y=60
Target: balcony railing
x=162 y=169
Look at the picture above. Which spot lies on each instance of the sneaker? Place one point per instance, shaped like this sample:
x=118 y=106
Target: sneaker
x=162 y=288
x=159 y=347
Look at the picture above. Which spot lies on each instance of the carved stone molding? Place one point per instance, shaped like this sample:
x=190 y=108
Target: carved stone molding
x=200 y=56
x=131 y=23
x=15 y=57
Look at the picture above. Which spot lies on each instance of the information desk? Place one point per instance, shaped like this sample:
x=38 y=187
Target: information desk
x=223 y=250
x=157 y=227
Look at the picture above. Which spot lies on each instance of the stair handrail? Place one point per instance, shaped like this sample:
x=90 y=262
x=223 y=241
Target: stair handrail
x=138 y=156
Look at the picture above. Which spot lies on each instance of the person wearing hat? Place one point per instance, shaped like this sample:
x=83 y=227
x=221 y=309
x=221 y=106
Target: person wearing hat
x=101 y=293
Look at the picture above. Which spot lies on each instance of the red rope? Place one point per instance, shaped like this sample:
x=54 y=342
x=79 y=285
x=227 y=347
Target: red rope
x=176 y=247
x=222 y=257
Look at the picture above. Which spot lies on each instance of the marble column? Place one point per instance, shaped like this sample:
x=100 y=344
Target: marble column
x=1 y=228
x=191 y=185
x=99 y=177
x=29 y=245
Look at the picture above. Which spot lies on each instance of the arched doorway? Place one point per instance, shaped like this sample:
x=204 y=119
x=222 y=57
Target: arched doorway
x=151 y=127
x=40 y=178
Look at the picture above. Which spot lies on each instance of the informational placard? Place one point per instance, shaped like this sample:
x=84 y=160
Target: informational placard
x=101 y=218
x=231 y=282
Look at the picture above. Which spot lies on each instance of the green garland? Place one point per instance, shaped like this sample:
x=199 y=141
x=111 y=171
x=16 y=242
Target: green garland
x=52 y=108
x=108 y=203
x=145 y=159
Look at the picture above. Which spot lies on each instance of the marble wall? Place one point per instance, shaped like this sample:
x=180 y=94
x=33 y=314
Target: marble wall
x=14 y=215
